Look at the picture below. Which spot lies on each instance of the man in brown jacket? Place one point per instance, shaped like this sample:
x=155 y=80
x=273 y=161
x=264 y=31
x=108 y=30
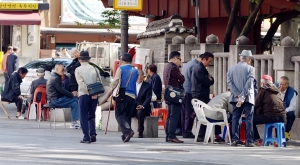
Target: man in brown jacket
x=269 y=106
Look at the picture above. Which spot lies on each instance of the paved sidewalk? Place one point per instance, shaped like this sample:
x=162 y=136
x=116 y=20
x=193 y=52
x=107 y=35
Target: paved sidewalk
x=23 y=143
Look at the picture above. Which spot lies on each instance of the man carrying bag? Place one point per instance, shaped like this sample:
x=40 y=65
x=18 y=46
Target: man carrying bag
x=174 y=94
x=124 y=85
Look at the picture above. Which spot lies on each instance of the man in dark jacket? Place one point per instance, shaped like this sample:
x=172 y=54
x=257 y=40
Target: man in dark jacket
x=59 y=97
x=38 y=82
x=155 y=82
x=174 y=78
x=268 y=107
x=12 y=91
x=201 y=82
x=12 y=62
x=142 y=102
x=71 y=69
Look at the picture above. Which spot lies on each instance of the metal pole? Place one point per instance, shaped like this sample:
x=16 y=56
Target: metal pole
x=197 y=20
x=124 y=32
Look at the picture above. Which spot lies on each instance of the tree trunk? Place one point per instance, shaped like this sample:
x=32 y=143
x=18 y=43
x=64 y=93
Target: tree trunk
x=251 y=19
x=227 y=7
x=282 y=17
x=231 y=23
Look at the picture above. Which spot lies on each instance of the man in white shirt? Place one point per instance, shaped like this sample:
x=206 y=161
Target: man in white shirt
x=143 y=99
x=289 y=97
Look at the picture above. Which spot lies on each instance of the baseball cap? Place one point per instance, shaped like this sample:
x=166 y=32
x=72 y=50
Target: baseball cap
x=267 y=77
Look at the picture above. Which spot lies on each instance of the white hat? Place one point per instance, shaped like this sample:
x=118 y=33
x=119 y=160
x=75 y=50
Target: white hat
x=246 y=53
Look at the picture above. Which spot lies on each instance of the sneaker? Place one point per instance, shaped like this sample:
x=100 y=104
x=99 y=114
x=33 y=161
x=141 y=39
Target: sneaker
x=287 y=136
x=75 y=125
x=250 y=145
x=20 y=117
x=235 y=143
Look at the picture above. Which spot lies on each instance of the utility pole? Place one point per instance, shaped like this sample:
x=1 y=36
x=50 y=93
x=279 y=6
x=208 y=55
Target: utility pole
x=124 y=32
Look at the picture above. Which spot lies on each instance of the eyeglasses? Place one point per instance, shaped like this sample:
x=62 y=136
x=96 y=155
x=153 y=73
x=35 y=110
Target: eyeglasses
x=179 y=59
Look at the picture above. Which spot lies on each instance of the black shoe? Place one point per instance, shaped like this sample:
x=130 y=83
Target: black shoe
x=123 y=137
x=127 y=138
x=141 y=135
x=250 y=145
x=219 y=140
x=201 y=139
x=86 y=142
x=93 y=138
x=190 y=136
x=235 y=143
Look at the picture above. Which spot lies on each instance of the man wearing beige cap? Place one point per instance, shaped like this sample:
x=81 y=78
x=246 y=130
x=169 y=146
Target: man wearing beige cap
x=41 y=81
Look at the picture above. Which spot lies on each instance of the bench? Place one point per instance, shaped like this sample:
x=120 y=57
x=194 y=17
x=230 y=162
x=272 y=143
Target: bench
x=150 y=127
x=4 y=109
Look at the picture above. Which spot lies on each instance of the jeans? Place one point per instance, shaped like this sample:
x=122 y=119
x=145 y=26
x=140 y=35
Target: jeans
x=248 y=109
x=290 y=118
x=88 y=108
x=187 y=115
x=124 y=112
x=67 y=102
x=172 y=120
x=262 y=119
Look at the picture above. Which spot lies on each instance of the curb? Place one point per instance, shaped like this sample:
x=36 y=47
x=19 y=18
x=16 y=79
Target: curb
x=293 y=143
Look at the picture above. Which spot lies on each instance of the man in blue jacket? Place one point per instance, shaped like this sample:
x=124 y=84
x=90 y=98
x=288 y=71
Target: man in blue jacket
x=289 y=97
x=126 y=107
x=12 y=91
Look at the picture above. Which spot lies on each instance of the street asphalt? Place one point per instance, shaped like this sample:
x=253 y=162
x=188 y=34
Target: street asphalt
x=23 y=143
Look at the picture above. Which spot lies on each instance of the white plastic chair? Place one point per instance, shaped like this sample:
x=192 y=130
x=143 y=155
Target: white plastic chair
x=210 y=129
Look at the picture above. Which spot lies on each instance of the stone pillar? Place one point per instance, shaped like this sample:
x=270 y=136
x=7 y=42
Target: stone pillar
x=283 y=65
x=185 y=51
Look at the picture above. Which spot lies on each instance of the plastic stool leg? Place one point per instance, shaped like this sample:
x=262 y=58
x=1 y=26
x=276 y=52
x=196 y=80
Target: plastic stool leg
x=54 y=118
x=279 y=136
x=64 y=118
x=50 y=117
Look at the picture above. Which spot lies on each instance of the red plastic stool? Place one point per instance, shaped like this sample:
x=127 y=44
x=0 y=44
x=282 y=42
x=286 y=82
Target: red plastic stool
x=164 y=112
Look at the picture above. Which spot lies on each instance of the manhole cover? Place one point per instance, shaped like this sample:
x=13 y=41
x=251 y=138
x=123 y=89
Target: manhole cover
x=167 y=150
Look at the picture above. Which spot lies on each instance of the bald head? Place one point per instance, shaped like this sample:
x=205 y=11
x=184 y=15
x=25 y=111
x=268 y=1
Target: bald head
x=59 y=69
x=141 y=76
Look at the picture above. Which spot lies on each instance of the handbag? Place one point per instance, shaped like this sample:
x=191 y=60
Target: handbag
x=172 y=94
x=96 y=88
x=119 y=92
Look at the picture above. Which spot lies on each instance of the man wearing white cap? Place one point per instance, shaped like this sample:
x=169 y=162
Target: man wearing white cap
x=240 y=80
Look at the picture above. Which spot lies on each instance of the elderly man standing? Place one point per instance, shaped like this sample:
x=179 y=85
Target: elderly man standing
x=86 y=74
x=289 y=97
x=187 y=110
x=71 y=69
x=240 y=79
x=59 y=97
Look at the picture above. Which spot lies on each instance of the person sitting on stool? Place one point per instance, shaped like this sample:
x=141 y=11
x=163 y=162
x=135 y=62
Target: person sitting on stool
x=142 y=102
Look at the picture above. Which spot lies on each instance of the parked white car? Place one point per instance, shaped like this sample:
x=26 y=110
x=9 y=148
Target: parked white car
x=41 y=63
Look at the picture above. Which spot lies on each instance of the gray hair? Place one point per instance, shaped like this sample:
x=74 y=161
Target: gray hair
x=84 y=60
x=74 y=50
x=244 y=59
x=40 y=74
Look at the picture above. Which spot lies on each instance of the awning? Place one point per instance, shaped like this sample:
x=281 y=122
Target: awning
x=19 y=18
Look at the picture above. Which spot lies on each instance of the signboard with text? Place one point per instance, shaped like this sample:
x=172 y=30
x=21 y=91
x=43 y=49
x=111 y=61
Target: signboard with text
x=131 y=5
x=18 y=6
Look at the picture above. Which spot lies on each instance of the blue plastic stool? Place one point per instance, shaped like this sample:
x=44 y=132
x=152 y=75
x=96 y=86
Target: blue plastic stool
x=280 y=134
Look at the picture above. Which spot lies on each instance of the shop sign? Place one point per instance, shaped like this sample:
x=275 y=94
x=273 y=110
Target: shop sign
x=131 y=5
x=18 y=6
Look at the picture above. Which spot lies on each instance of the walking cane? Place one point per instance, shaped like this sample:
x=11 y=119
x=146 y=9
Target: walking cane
x=108 y=114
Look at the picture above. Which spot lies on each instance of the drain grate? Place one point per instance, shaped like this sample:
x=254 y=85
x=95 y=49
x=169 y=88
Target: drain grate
x=167 y=150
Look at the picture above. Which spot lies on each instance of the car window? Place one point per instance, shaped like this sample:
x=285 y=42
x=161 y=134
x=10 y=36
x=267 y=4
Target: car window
x=41 y=64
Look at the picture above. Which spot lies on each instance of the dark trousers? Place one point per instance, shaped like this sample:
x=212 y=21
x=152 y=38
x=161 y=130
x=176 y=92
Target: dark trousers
x=140 y=115
x=6 y=77
x=17 y=101
x=203 y=129
x=262 y=119
x=88 y=108
x=248 y=109
x=124 y=111
x=290 y=118
x=172 y=120
x=187 y=115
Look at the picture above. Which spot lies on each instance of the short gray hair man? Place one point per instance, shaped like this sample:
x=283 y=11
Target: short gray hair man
x=246 y=56
x=40 y=72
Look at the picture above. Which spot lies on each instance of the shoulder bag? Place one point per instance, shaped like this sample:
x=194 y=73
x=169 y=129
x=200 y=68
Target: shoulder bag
x=119 y=92
x=96 y=88
x=172 y=94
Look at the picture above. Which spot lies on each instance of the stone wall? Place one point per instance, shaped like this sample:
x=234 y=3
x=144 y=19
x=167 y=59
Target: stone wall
x=158 y=45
